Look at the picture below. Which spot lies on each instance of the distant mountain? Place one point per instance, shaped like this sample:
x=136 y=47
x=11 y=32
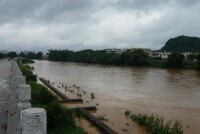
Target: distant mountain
x=4 y=51
x=182 y=44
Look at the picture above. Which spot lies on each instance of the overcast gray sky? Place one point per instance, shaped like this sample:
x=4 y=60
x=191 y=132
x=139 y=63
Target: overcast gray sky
x=95 y=24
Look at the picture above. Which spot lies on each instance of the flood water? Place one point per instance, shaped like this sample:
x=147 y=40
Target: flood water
x=173 y=94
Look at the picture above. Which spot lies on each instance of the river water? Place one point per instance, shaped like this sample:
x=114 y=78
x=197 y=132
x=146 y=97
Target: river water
x=173 y=94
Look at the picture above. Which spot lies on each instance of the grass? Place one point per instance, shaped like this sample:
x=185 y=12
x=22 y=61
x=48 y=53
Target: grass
x=127 y=113
x=27 y=61
x=155 y=124
x=189 y=64
x=59 y=119
x=157 y=63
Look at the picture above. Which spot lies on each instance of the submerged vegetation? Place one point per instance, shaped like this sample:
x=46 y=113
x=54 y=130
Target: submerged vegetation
x=155 y=124
x=27 y=61
x=59 y=119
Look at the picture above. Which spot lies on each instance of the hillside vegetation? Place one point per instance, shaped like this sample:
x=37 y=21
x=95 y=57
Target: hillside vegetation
x=182 y=44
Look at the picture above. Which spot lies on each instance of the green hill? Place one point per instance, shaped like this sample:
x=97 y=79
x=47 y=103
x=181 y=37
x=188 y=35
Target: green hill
x=182 y=44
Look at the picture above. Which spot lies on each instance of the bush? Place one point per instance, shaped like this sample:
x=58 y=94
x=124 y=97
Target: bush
x=198 y=60
x=27 y=61
x=40 y=95
x=175 y=60
x=27 y=71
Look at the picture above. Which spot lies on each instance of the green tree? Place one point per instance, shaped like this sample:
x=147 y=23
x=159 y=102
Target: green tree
x=198 y=60
x=12 y=54
x=135 y=57
x=39 y=55
x=175 y=60
x=22 y=54
x=2 y=56
x=191 y=57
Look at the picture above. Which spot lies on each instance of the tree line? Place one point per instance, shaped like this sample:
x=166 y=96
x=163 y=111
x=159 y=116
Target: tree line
x=130 y=57
x=135 y=57
x=30 y=55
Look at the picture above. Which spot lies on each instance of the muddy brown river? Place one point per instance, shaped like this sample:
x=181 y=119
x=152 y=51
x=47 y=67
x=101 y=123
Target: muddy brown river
x=170 y=93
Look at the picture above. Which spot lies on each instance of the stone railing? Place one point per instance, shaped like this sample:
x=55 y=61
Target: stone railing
x=26 y=120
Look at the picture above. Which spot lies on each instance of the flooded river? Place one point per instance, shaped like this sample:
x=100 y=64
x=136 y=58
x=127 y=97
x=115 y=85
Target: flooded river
x=173 y=94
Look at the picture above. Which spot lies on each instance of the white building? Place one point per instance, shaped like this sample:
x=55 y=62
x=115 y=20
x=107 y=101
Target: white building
x=115 y=50
x=161 y=55
x=186 y=54
x=148 y=52
x=164 y=55
x=26 y=52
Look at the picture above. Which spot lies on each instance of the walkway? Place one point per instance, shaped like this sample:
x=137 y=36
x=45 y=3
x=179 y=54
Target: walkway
x=5 y=81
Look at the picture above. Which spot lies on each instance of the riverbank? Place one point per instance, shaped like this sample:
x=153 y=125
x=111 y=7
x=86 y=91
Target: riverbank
x=60 y=119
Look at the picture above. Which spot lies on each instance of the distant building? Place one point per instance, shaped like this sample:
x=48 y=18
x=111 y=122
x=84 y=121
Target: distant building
x=45 y=57
x=148 y=51
x=160 y=55
x=186 y=54
x=26 y=52
x=164 y=55
x=155 y=55
x=115 y=50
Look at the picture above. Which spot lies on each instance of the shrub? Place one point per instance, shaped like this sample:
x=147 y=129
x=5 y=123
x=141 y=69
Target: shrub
x=27 y=71
x=175 y=60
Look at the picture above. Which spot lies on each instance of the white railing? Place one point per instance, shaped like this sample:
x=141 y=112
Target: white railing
x=29 y=120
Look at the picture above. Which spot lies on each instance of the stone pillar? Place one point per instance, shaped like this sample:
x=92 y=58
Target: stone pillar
x=18 y=73
x=21 y=80
x=24 y=93
x=22 y=106
x=34 y=121
x=24 y=96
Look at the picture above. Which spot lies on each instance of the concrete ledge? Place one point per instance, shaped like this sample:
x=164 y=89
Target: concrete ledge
x=60 y=94
x=100 y=125
x=89 y=108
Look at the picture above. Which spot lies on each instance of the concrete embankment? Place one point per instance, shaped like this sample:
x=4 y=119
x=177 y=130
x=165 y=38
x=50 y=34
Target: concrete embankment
x=60 y=94
x=104 y=129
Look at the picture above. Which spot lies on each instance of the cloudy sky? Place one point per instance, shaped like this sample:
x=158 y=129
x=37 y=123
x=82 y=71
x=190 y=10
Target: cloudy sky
x=95 y=24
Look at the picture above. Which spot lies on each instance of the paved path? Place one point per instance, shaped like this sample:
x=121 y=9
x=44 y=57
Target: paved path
x=5 y=81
